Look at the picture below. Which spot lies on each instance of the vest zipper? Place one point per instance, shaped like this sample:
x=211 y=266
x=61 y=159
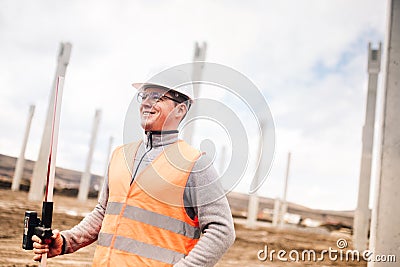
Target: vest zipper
x=149 y=143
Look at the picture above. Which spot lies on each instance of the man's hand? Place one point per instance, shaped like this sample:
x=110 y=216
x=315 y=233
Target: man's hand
x=52 y=250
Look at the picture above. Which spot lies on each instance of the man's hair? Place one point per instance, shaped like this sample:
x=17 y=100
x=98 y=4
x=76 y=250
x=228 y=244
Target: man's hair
x=181 y=98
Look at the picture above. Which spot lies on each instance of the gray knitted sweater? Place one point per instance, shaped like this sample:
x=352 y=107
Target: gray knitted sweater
x=203 y=197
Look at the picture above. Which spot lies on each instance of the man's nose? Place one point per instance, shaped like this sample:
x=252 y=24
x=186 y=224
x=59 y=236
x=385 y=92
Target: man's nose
x=146 y=103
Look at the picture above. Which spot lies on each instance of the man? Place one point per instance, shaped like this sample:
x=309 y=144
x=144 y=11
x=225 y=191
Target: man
x=158 y=208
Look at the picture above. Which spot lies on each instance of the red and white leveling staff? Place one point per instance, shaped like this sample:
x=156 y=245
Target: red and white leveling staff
x=33 y=225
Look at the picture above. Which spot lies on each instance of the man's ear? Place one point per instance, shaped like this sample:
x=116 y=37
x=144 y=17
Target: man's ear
x=181 y=110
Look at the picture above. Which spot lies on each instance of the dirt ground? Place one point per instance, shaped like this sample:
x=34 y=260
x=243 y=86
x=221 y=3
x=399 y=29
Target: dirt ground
x=68 y=212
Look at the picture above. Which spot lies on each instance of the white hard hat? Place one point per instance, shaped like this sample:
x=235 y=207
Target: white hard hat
x=172 y=79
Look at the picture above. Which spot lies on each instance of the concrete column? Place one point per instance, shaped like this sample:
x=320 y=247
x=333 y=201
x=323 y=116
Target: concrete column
x=199 y=55
x=85 y=179
x=385 y=226
x=19 y=167
x=277 y=208
x=282 y=212
x=40 y=170
x=283 y=209
x=252 y=209
x=107 y=163
x=362 y=213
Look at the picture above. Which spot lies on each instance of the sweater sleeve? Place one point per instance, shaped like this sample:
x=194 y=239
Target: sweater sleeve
x=207 y=197
x=87 y=231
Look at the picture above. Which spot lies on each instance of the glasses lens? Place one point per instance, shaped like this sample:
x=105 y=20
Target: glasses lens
x=152 y=97
x=140 y=97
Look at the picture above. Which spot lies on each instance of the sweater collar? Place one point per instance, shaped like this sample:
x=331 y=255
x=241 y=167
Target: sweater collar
x=160 y=138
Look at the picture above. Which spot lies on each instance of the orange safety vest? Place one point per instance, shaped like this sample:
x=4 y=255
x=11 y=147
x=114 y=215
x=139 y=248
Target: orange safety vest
x=146 y=224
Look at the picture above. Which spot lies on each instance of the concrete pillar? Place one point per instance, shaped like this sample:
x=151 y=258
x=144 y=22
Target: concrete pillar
x=385 y=226
x=40 y=170
x=199 y=55
x=282 y=212
x=107 y=163
x=19 y=167
x=86 y=175
x=277 y=208
x=284 y=206
x=362 y=213
x=252 y=209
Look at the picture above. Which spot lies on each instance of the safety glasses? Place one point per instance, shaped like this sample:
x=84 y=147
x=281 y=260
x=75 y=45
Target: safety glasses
x=153 y=97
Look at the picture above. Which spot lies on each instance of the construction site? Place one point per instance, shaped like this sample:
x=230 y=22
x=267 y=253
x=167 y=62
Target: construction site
x=308 y=160
x=69 y=212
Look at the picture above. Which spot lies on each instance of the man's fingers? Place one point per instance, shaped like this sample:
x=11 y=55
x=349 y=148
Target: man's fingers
x=51 y=249
x=40 y=250
x=37 y=257
x=56 y=233
x=36 y=239
x=40 y=246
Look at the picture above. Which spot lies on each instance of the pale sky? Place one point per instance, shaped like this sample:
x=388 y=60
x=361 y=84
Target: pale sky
x=309 y=59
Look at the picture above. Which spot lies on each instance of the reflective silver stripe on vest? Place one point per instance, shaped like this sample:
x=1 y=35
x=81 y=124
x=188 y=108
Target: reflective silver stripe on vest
x=141 y=249
x=113 y=208
x=154 y=219
x=104 y=239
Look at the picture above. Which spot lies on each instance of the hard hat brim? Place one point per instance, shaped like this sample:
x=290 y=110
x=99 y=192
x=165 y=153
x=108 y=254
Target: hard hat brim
x=137 y=86
x=141 y=86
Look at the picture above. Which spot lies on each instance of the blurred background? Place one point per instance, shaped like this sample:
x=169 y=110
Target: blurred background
x=308 y=58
